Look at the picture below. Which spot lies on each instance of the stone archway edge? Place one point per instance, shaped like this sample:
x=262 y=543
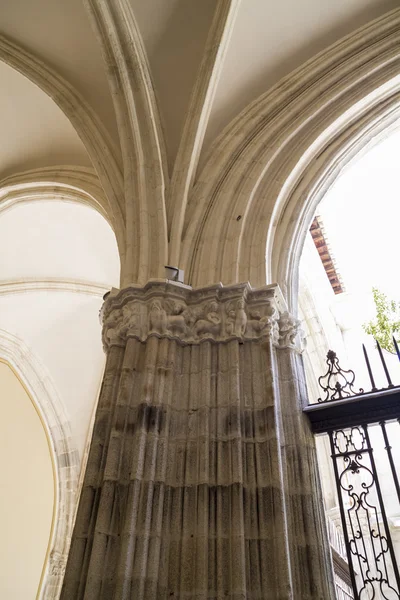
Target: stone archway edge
x=252 y=196
x=38 y=383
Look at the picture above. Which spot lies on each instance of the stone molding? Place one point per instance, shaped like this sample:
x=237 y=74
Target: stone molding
x=57 y=564
x=43 y=393
x=68 y=183
x=216 y=313
x=104 y=153
x=54 y=284
x=273 y=163
x=196 y=120
x=141 y=137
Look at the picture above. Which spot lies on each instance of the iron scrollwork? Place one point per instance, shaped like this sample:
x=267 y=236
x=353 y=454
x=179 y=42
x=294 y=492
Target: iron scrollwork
x=372 y=562
x=337 y=383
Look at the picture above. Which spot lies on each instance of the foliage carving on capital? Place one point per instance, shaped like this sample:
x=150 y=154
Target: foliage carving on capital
x=189 y=315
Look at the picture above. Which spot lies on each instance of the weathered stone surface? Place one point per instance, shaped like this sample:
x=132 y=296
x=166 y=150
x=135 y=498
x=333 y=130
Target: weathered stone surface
x=201 y=478
x=216 y=313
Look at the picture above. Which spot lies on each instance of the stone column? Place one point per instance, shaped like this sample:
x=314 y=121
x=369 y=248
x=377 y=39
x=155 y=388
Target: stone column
x=201 y=478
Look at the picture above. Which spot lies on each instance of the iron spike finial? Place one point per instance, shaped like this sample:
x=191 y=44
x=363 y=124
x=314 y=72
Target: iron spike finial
x=371 y=377
x=390 y=384
x=396 y=347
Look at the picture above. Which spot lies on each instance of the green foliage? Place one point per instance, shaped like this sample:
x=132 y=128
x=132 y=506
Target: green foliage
x=386 y=322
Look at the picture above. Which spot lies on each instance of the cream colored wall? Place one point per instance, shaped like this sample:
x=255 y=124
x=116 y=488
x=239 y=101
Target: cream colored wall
x=59 y=258
x=26 y=491
x=46 y=242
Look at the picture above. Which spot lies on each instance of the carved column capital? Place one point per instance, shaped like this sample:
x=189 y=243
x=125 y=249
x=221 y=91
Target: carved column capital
x=216 y=313
x=201 y=465
x=289 y=327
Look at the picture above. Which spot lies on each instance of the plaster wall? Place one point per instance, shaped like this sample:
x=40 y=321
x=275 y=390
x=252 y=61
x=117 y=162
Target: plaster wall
x=26 y=491
x=53 y=239
x=43 y=245
x=63 y=331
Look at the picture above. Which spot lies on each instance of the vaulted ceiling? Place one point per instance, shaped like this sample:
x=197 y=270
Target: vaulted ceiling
x=268 y=40
x=271 y=39
x=34 y=131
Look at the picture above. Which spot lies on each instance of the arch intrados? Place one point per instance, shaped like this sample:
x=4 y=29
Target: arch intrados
x=353 y=57
x=104 y=154
x=51 y=191
x=341 y=133
x=286 y=242
x=65 y=183
x=276 y=157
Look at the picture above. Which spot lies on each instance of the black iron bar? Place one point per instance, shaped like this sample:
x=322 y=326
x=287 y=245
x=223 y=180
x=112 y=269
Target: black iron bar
x=373 y=389
x=371 y=529
x=396 y=347
x=383 y=511
x=390 y=384
x=343 y=517
x=351 y=452
x=363 y=565
x=388 y=449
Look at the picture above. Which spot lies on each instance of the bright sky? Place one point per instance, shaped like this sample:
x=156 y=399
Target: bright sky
x=361 y=214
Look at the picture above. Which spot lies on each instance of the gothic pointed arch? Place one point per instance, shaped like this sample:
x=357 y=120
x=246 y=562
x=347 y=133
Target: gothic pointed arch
x=64 y=182
x=103 y=153
x=253 y=200
x=44 y=395
x=145 y=174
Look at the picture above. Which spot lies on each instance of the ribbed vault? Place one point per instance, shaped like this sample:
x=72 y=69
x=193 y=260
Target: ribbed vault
x=262 y=172
x=240 y=211
x=257 y=191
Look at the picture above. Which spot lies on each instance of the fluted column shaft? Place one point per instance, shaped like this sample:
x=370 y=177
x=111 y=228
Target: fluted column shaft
x=201 y=478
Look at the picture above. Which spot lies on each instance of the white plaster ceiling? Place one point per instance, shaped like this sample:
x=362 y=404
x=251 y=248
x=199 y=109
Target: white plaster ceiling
x=269 y=40
x=174 y=33
x=59 y=33
x=34 y=131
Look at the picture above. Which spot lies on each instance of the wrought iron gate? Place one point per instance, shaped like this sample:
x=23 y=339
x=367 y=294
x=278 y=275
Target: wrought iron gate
x=357 y=422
